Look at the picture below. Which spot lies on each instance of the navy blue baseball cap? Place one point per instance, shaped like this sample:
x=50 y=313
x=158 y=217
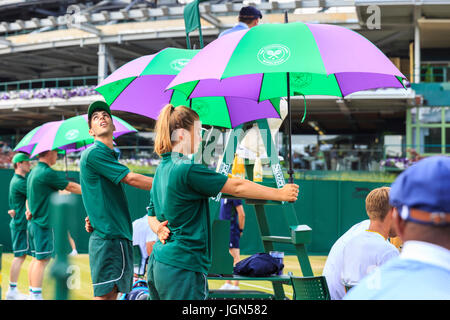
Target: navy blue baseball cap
x=422 y=192
x=250 y=12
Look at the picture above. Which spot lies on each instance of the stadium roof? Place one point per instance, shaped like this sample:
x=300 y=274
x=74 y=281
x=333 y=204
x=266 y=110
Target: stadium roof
x=398 y=18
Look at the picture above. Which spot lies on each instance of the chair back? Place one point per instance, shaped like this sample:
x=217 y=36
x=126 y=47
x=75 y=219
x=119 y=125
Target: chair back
x=310 y=288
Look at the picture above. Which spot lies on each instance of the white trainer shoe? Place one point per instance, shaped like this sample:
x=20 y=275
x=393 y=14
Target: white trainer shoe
x=35 y=297
x=226 y=286
x=15 y=295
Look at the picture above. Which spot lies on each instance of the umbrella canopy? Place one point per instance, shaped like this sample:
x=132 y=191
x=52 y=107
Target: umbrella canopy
x=26 y=144
x=319 y=59
x=69 y=135
x=140 y=87
x=273 y=60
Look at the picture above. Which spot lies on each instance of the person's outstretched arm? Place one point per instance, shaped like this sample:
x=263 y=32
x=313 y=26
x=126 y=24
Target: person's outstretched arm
x=243 y=188
x=138 y=180
x=73 y=187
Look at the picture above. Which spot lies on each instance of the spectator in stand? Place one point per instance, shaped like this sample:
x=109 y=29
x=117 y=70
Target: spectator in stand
x=6 y=155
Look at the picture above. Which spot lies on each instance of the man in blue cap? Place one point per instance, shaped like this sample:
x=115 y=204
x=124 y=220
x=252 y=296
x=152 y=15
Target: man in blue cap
x=422 y=271
x=248 y=18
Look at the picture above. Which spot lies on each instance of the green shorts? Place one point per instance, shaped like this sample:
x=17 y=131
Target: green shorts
x=111 y=263
x=31 y=250
x=20 y=244
x=42 y=241
x=166 y=282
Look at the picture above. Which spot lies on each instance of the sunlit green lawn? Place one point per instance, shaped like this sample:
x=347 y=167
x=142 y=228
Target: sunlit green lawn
x=83 y=290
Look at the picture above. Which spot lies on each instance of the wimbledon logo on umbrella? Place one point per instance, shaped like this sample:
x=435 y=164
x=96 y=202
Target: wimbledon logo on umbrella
x=274 y=54
x=72 y=134
x=179 y=64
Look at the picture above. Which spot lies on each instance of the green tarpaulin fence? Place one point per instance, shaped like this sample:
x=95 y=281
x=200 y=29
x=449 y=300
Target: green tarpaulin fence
x=329 y=207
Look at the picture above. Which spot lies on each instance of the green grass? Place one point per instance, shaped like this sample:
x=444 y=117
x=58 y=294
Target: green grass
x=85 y=292
x=366 y=176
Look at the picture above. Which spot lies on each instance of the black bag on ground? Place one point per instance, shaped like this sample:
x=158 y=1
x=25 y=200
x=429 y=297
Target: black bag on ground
x=258 y=265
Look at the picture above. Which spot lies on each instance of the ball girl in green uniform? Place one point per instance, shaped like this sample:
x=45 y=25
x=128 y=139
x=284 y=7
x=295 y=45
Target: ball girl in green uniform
x=179 y=211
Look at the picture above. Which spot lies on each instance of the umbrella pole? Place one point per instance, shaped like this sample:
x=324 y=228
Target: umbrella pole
x=65 y=160
x=290 y=171
x=288 y=85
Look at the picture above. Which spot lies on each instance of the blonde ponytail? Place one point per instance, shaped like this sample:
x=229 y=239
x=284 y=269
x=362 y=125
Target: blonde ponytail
x=169 y=120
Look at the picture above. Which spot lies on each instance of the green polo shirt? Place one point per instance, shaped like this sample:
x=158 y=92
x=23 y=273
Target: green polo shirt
x=180 y=193
x=42 y=182
x=103 y=194
x=17 y=199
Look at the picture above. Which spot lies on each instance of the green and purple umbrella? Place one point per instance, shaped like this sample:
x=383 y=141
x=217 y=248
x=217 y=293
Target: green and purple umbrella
x=27 y=143
x=320 y=60
x=65 y=135
x=278 y=60
x=140 y=87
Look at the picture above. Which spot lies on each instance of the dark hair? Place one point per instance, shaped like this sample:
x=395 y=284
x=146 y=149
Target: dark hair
x=89 y=122
x=247 y=20
x=43 y=154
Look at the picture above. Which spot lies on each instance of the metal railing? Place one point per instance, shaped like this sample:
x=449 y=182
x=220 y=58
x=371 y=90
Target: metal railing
x=432 y=74
x=66 y=83
x=435 y=74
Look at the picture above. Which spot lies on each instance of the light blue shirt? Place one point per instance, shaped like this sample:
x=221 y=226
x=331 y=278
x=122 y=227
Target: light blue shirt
x=421 y=272
x=238 y=27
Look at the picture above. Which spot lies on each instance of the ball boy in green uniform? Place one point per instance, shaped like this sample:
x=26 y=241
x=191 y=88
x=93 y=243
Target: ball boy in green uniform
x=179 y=210
x=18 y=224
x=102 y=177
x=42 y=182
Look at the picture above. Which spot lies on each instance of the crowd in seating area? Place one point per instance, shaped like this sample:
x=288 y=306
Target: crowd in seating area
x=6 y=154
x=45 y=93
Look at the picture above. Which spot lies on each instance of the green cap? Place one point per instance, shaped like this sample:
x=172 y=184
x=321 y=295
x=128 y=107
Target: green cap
x=19 y=157
x=98 y=105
